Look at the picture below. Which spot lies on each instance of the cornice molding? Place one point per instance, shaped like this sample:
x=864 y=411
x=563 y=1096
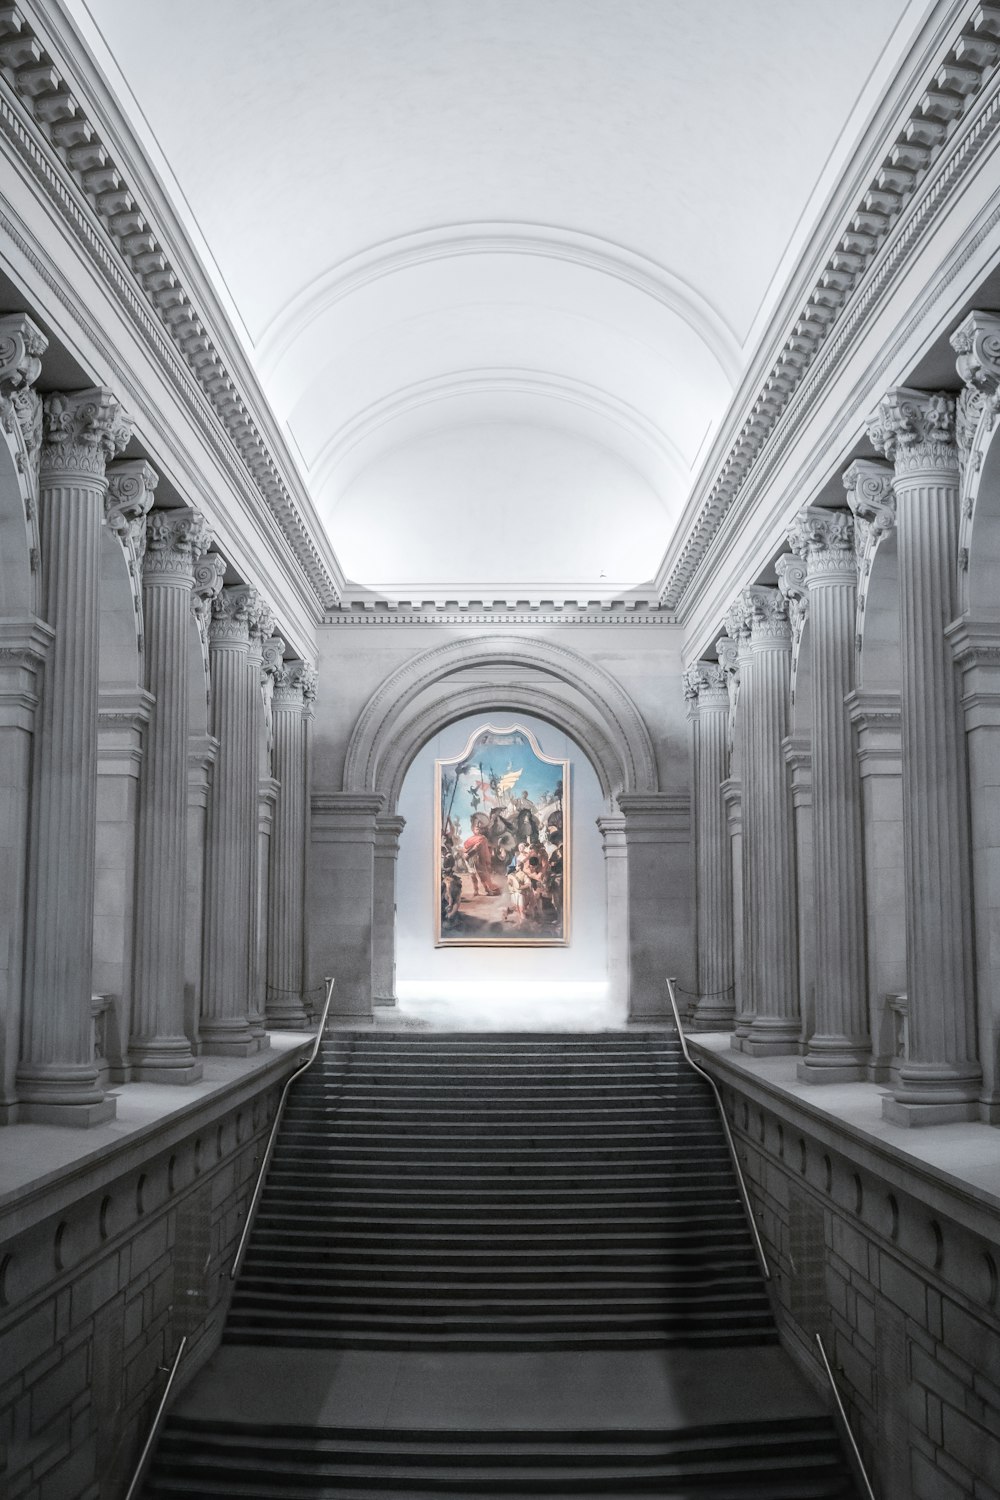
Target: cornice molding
x=499 y=612
x=809 y=355
x=45 y=122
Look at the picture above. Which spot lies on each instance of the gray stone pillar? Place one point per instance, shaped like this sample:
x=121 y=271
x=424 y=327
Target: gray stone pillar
x=230 y=834
x=612 y=831
x=57 y=1077
x=202 y=750
x=941 y=1077
x=708 y=696
x=387 y=831
x=839 y=1046
x=734 y=658
x=660 y=880
x=769 y=835
x=344 y=822
x=160 y=1048
x=286 y=985
x=261 y=630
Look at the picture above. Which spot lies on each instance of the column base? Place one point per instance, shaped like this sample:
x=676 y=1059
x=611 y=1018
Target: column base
x=287 y=1021
x=165 y=1059
x=810 y=1070
x=834 y=1059
x=901 y=1113
x=772 y=1037
x=234 y=1039
x=702 y=1020
x=167 y=1073
x=385 y=1000
x=83 y=1116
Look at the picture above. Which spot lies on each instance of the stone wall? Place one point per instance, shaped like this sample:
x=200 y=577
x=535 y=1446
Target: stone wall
x=104 y=1265
x=896 y=1266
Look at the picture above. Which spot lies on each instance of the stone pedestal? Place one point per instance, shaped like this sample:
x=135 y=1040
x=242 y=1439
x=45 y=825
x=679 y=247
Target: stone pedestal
x=57 y=1077
x=708 y=699
x=343 y=828
x=230 y=835
x=839 y=1045
x=387 y=831
x=286 y=984
x=941 y=1078
x=161 y=1049
x=769 y=838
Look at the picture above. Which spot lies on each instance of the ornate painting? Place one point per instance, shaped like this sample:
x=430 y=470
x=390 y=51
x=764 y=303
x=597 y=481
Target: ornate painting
x=502 y=852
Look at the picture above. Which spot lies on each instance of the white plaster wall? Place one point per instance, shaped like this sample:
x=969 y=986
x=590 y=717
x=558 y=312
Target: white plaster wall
x=583 y=963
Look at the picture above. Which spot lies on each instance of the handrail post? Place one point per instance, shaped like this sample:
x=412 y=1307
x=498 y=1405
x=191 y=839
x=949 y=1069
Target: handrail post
x=258 y=1186
x=740 y=1179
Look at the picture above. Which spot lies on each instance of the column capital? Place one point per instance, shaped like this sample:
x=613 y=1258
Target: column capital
x=729 y=657
x=209 y=571
x=767 y=610
x=261 y=621
x=824 y=541
x=131 y=486
x=915 y=430
x=82 y=431
x=175 y=542
x=870 y=493
x=738 y=619
x=976 y=342
x=22 y=344
x=272 y=660
x=705 y=683
x=310 y=678
x=791 y=571
x=232 y=609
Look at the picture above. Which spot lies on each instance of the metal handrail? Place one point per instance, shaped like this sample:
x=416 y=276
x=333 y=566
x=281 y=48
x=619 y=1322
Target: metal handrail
x=860 y=1472
x=154 y=1432
x=258 y=1186
x=741 y=1180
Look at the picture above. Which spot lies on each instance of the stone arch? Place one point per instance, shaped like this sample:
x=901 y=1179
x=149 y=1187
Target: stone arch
x=574 y=693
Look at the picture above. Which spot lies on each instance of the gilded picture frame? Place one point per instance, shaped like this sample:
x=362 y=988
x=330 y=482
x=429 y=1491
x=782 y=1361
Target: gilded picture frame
x=502 y=843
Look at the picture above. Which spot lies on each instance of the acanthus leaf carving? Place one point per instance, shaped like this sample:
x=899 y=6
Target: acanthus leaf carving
x=824 y=541
x=82 y=431
x=872 y=499
x=131 y=487
x=209 y=572
x=768 y=613
x=915 y=429
x=22 y=344
x=175 y=541
x=231 y=612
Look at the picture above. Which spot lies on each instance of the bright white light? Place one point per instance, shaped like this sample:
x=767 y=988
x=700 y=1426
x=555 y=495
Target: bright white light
x=489 y=1005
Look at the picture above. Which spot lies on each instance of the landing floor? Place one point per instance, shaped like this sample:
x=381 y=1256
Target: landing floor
x=647 y=1389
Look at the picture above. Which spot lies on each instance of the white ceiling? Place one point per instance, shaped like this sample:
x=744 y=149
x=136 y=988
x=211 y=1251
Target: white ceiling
x=499 y=263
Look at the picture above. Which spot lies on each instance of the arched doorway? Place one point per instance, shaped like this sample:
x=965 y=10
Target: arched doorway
x=644 y=833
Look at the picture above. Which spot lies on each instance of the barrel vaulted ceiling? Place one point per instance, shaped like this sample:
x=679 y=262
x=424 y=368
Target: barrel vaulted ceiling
x=500 y=264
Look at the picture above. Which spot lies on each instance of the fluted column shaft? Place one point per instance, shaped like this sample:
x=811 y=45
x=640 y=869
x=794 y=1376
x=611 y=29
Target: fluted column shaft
x=261 y=627
x=734 y=657
x=839 y=1047
x=230 y=835
x=286 y=907
x=57 y=1076
x=714 y=1008
x=940 y=1078
x=160 y=1050
x=769 y=836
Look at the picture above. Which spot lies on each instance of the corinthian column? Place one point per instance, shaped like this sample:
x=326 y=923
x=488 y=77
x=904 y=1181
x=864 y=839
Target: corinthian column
x=261 y=630
x=160 y=1049
x=230 y=834
x=286 y=1007
x=839 y=1046
x=734 y=657
x=769 y=835
x=939 y=1080
x=57 y=1077
x=707 y=692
